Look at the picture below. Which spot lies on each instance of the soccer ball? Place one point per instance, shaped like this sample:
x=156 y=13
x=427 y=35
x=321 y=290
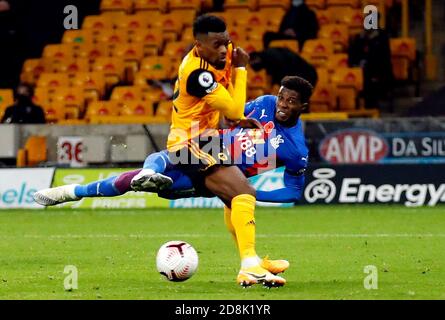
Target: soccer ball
x=177 y=260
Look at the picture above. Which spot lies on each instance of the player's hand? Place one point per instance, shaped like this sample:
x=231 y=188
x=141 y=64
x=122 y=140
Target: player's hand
x=250 y=123
x=240 y=58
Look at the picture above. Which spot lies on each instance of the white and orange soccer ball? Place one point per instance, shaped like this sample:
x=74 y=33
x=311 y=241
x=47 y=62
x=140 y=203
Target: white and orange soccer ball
x=177 y=260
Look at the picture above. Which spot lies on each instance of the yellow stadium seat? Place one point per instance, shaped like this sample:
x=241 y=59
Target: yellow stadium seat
x=403 y=53
x=78 y=36
x=257 y=34
x=348 y=82
x=251 y=46
x=257 y=19
x=37 y=66
x=187 y=35
x=53 y=80
x=72 y=66
x=177 y=49
x=338 y=60
x=155 y=95
x=157 y=67
x=164 y=109
x=116 y=5
x=353 y=18
x=253 y=93
x=126 y=93
x=338 y=33
x=238 y=34
x=323 y=75
x=33 y=68
x=41 y=96
x=364 y=113
x=133 y=21
x=316 y=4
x=325 y=17
x=258 y=80
x=151 y=39
x=239 y=4
x=137 y=108
x=240 y=18
x=175 y=5
x=70 y=97
x=129 y=52
x=150 y=5
x=324 y=116
x=346 y=15
x=350 y=3
x=317 y=51
x=98 y=22
x=58 y=51
x=290 y=44
x=102 y=108
x=169 y=22
x=35 y=150
x=284 y=4
x=348 y=77
x=54 y=112
x=93 y=51
x=112 y=68
x=323 y=98
x=6 y=100
x=274 y=17
x=92 y=83
x=111 y=36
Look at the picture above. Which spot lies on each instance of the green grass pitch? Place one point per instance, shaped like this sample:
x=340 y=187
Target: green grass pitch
x=328 y=248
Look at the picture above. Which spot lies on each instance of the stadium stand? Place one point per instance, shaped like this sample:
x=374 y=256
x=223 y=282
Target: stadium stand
x=132 y=43
x=33 y=153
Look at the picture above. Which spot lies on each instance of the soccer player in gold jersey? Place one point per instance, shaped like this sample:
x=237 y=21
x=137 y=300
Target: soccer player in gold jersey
x=203 y=93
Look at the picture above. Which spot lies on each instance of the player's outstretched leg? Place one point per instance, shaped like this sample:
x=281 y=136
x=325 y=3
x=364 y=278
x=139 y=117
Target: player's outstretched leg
x=57 y=195
x=273 y=266
x=110 y=187
x=151 y=177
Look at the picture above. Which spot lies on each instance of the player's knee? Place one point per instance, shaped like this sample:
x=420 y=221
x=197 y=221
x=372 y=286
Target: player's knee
x=242 y=188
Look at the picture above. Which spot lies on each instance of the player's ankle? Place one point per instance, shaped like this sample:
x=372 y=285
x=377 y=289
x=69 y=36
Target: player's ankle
x=250 y=262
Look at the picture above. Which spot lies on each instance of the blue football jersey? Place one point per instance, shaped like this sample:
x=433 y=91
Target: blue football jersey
x=278 y=146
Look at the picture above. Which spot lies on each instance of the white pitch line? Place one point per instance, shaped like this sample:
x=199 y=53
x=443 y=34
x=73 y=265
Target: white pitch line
x=202 y=235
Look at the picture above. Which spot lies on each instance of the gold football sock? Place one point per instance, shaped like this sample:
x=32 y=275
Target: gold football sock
x=228 y=222
x=243 y=220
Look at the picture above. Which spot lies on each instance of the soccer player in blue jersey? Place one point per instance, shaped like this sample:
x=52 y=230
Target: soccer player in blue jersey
x=282 y=143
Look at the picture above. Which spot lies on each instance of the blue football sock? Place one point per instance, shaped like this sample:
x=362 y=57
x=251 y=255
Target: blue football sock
x=157 y=162
x=101 y=188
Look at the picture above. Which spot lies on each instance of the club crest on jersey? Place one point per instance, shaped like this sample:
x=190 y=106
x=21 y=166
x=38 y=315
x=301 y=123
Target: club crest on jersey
x=268 y=127
x=275 y=142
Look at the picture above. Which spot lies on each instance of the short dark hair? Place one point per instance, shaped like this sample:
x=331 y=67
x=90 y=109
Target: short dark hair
x=27 y=86
x=208 y=23
x=300 y=85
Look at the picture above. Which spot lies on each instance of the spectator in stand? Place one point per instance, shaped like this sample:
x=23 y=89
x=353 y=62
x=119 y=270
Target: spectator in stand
x=281 y=62
x=299 y=23
x=24 y=111
x=370 y=50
